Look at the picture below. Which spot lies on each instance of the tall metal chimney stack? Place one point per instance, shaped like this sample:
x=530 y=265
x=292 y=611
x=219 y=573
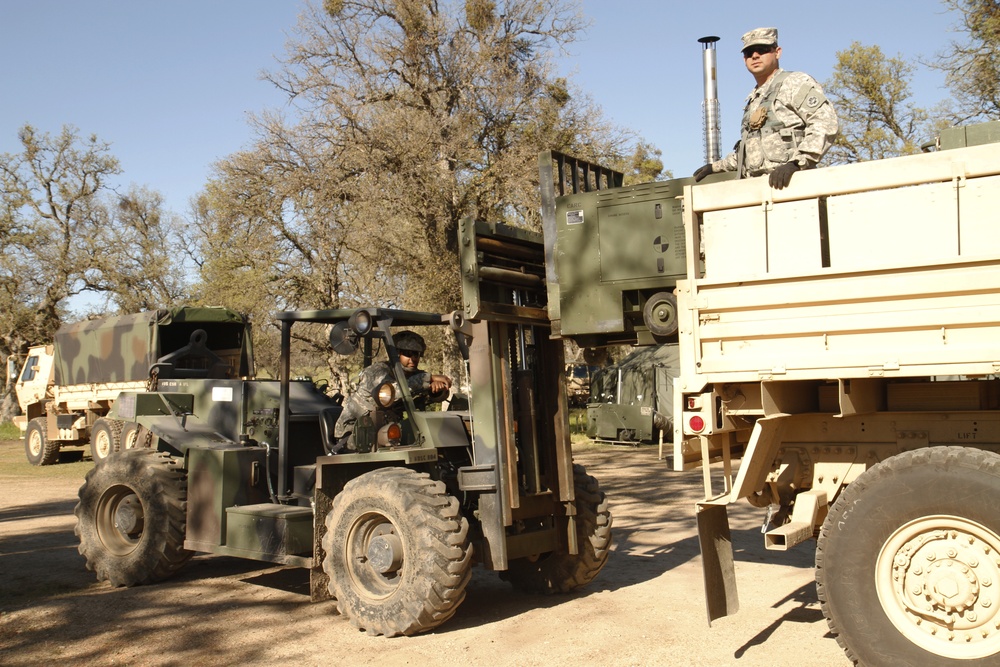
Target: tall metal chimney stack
x=710 y=107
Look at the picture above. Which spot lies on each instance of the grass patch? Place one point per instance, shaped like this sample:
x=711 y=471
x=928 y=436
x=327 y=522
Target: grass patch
x=74 y=462
x=8 y=431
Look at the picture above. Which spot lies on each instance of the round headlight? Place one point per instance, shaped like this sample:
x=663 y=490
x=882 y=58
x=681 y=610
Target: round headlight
x=360 y=322
x=385 y=395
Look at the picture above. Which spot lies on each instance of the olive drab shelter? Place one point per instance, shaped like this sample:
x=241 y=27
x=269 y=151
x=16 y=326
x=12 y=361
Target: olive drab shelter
x=632 y=401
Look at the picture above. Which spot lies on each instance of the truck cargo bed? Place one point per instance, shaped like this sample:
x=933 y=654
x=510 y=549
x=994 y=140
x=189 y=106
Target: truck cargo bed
x=882 y=269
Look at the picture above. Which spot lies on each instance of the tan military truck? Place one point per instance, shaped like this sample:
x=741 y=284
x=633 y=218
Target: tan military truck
x=66 y=389
x=839 y=358
x=839 y=363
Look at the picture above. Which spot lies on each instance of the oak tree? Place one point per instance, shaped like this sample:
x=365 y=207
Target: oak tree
x=405 y=117
x=65 y=232
x=972 y=64
x=873 y=99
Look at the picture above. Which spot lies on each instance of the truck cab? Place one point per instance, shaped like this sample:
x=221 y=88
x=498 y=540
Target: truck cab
x=33 y=384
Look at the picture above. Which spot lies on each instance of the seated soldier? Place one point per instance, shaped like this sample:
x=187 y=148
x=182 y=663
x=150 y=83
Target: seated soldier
x=411 y=347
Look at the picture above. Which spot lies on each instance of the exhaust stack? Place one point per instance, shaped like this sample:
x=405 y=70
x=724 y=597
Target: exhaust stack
x=710 y=107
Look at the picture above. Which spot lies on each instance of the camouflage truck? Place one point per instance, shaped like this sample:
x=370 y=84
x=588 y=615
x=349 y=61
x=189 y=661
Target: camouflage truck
x=839 y=368
x=390 y=529
x=632 y=401
x=66 y=389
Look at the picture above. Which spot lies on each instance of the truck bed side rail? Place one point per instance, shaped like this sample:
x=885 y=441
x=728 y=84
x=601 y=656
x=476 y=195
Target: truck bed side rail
x=882 y=269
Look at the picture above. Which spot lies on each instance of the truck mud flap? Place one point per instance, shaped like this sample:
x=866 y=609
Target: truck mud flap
x=718 y=568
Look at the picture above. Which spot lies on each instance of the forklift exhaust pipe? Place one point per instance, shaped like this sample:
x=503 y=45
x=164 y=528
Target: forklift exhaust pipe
x=710 y=107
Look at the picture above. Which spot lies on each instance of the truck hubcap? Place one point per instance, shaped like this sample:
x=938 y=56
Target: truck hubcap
x=35 y=443
x=102 y=444
x=938 y=579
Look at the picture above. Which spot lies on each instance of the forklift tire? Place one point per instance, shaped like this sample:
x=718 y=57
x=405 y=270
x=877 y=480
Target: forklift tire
x=397 y=552
x=104 y=438
x=560 y=571
x=131 y=518
x=40 y=450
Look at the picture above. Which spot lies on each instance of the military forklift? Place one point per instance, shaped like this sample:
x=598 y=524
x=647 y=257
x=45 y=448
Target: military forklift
x=391 y=529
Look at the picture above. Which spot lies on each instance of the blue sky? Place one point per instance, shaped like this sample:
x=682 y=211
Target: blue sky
x=170 y=83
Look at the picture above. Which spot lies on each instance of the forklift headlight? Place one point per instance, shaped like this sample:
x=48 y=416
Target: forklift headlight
x=385 y=395
x=360 y=322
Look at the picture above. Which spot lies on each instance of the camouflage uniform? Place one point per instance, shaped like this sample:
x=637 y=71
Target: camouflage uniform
x=361 y=402
x=799 y=126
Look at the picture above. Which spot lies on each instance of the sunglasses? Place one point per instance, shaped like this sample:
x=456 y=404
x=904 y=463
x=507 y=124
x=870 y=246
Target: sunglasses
x=409 y=353
x=759 y=49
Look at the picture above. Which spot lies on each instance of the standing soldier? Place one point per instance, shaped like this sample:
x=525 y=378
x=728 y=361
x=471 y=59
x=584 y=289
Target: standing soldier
x=788 y=124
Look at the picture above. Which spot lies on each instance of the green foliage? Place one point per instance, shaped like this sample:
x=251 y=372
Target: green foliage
x=872 y=96
x=644 y=165
x=8 y=431
x=972 y=65
x=410 y=116
x=51 y=233
x=64 y=231
x=73 y=462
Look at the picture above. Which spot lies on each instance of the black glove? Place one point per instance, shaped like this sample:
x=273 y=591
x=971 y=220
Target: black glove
x=702 y=172
x=782 y=176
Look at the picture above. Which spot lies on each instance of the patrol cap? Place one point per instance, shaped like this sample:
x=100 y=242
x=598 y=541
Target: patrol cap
x=763 y=36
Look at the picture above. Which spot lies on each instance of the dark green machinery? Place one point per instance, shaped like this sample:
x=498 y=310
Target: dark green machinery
x=391 y=530
x=631 y=402
x=614 y=253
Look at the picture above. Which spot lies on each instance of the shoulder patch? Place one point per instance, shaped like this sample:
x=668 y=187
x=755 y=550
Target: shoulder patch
x=808 y=96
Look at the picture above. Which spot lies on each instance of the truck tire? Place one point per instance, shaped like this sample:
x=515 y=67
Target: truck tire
x=397 y=552
x=129 y=438
x=40 y=450
x=131 y=518
x=560 y=571
x=104 y=438
x=906 y=566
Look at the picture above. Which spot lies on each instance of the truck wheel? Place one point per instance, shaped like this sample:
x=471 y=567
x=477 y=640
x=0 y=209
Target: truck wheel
x=131 y=518
x=660 y=314
x=104 y=438
x=129 y=436
x=397 y=552
x=40 y=450
x=906 y=564
x=560 y=571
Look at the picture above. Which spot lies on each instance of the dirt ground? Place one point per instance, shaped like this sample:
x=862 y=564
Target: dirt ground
x=645 y=608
